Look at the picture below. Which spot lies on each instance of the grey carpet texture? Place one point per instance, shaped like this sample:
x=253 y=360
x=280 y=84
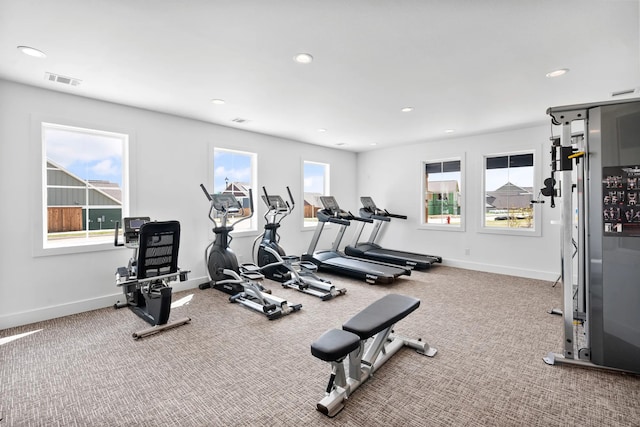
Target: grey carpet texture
x=232 y=367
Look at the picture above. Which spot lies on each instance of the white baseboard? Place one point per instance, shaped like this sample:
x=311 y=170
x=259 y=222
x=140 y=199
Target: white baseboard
x=46 y=313
x=67 y=309
x=500 y=269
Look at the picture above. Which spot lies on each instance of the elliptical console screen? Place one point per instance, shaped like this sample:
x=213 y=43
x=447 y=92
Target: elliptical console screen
x=275 y=202
x=224 y=202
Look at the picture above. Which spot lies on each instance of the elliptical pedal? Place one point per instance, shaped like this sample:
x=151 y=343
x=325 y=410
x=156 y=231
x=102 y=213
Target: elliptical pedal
x=290 y=270
x=308 y=266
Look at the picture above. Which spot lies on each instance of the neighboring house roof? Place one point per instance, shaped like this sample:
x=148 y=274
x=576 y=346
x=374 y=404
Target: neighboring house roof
x=58 y=175
x=509 y=196
x=110 y=188
x=313 y=199
x=238 y=189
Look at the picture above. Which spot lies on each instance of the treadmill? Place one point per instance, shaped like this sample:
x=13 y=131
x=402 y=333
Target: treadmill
x=334 y=261
x=372 y=251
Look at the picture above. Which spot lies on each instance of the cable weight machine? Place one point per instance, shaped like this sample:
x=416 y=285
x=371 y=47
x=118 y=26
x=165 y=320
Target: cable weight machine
x=599 y=172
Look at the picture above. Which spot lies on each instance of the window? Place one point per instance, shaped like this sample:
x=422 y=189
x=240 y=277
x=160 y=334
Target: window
x=508 y=184
x=235 y=173
x=316 y=184
x=442 y=190
x=85 y=189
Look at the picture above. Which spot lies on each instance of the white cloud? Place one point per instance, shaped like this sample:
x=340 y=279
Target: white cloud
x=105 y=167
x=68 y=147
x=314 y=184
x=234 y=175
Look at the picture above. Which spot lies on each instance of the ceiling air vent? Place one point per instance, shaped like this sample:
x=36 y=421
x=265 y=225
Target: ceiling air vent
x=239 y=120
x=62 y=79
x=625 y=92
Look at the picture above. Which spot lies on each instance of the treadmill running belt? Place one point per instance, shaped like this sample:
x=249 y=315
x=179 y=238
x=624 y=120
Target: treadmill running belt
x=369 y=268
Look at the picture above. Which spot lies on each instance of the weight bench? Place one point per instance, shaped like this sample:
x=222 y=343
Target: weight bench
x=374 y=322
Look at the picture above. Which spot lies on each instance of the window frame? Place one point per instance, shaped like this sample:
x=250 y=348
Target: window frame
x=423 y=191
x=536 y=229
x=39 y=187
x=326 y=189
x=252 y=228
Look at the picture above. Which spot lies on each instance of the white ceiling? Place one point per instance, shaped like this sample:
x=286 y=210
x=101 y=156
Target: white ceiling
x=472 y=66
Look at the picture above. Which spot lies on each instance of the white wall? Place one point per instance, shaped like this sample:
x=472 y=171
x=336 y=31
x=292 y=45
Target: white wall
x=170 y=158
x=393 y=178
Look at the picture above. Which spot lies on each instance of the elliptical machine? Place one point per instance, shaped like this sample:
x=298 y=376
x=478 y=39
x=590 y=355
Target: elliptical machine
x=145 y=281
x=287 y=269
x=223 y=270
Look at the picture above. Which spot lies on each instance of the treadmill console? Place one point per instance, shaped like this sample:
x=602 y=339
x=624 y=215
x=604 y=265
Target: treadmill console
x=332 y=210
x=370 y=210
x=368 y=203
x=330 y=204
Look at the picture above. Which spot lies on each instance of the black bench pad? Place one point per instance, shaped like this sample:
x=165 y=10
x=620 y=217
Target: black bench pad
x=381 y=315
x=334 y=345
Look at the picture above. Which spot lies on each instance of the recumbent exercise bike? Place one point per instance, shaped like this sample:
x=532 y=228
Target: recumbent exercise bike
x=145 y=281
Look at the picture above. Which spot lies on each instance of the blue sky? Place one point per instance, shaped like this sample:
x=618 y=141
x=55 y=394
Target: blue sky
x=314 y=177
x=85 y=155
x=234 y=166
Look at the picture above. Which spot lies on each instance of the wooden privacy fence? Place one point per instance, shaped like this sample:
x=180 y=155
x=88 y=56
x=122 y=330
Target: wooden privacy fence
x=64 y=219
x=310 y=211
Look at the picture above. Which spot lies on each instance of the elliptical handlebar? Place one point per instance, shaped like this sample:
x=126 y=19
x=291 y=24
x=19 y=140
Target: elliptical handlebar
x=277 y=208
x=293 y=203
x=206 y=193
x=250 y=204
x=266 y=195
x=244 y=218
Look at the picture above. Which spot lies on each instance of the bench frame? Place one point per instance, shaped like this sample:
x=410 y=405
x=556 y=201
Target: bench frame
x=371 y=354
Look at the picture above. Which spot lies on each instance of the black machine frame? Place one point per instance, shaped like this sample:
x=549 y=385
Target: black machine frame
x=240 y=281
x=287 y=269
x=145 y=281
x=335 y=261
x=373 y=251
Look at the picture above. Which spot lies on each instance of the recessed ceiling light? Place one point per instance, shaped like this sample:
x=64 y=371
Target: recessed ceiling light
x=218 y=101
x=557 y=73
x=374 y=143
x=449 y=131
x=32 y=52
x=303 y=58
x=407 y=109
x=321 y=130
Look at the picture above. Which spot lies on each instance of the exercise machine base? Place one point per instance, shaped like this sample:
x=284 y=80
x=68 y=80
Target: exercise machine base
x=159 y=328
x=558 y=359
